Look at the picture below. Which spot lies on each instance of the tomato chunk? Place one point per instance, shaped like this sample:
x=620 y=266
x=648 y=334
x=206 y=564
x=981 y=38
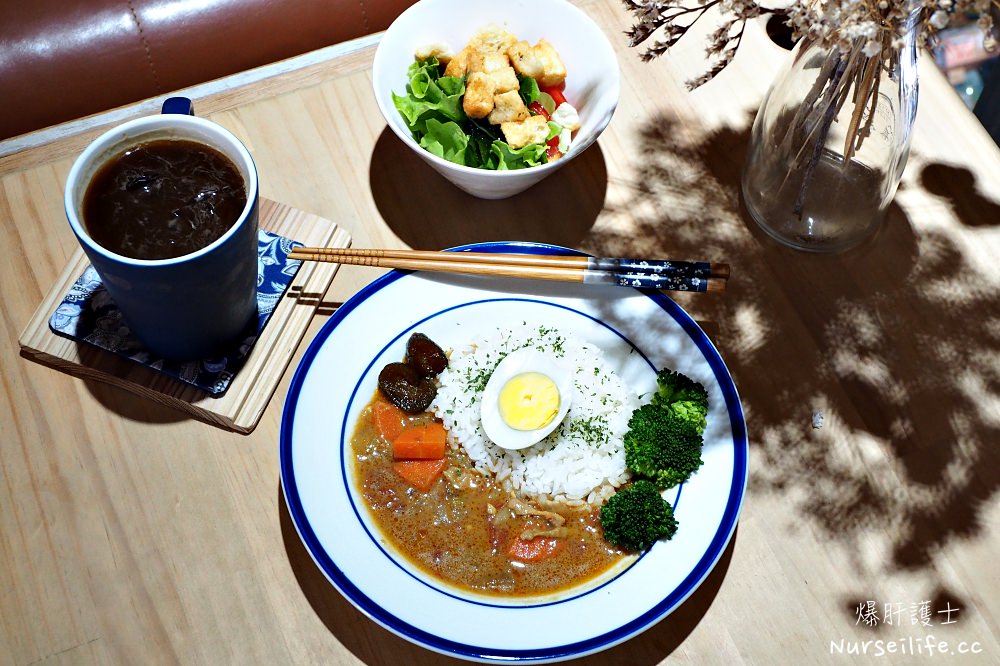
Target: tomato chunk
x=552 y=148
x=535 y=550
x=539 y=110
x=555 y=93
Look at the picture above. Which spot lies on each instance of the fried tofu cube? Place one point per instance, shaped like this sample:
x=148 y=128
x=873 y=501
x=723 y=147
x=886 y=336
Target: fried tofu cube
x=508 y=107
x=553 y=69
x=506 y=79
x=479 y=92
x=524 y=60
x=438 y=50
x=540 y=62
x=488 y=61
x=533 y=129
x=459 y=65
x=492 y=39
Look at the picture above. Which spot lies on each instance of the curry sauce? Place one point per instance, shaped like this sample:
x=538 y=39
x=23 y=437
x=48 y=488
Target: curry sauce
x=468 y=531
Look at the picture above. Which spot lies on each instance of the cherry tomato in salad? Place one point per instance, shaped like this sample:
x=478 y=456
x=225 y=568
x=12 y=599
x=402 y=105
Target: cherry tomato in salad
x=552 y=148
x=539 y=110
x=555 y=93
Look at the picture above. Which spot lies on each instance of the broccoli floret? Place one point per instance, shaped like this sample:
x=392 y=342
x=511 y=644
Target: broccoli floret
x=662 y=446
x=693 y=413
x=685 y=396
x=636 y=516
x=673 y=386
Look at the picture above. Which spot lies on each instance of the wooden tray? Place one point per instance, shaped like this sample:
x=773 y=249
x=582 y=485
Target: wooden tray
x=239 y=408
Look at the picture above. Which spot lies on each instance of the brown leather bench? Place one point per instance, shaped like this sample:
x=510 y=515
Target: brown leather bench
x=65 y=59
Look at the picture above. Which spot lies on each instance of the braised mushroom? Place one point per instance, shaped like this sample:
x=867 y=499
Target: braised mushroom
x=404 y=387
x=424 y=356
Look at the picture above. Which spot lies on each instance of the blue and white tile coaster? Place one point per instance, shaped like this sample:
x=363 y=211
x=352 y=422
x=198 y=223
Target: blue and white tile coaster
x=88 y=314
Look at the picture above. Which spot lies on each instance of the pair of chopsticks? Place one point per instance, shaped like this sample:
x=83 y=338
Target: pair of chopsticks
x=696 y=276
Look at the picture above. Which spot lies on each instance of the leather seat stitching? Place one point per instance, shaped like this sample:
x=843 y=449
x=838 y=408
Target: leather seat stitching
x=364 y=15
x=145 y=45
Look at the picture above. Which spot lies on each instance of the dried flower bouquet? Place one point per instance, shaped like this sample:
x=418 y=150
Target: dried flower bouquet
x=865 y=42
x=841 y=22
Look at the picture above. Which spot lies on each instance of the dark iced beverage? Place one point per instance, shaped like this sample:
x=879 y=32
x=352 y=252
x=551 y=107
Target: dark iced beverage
x=163 y=199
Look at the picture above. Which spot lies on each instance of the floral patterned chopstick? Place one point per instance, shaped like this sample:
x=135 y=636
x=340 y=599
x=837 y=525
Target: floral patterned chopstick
x=696 y=276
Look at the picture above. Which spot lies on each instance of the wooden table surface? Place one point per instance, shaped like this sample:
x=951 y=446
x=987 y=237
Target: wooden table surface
x=131 y=534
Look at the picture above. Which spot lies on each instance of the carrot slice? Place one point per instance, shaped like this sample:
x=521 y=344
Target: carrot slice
x=423 y=442
x=421 y=474
x=388 y=419
x=535 y=550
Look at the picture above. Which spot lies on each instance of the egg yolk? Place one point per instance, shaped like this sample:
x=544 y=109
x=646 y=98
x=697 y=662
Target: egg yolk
x=528 y=401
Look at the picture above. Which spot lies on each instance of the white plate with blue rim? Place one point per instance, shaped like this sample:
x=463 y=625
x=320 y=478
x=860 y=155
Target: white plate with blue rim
x=639 y=332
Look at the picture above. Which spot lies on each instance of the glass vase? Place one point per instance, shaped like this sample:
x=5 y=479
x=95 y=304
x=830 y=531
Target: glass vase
x=830 y=141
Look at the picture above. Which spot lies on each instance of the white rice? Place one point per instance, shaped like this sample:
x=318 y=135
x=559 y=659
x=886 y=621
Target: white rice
x=583 y=460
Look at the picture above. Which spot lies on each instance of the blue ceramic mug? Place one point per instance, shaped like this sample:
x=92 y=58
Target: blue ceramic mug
x=192 y=306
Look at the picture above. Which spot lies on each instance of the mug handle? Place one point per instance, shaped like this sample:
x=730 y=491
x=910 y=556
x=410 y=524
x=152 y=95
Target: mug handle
x=181 y=105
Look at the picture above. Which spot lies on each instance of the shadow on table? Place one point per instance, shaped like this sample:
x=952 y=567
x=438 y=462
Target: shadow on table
x=131 y=406
x=958 y=187
x=895 y=344
x=118 y=400
x=427 y=212
x=372 y=644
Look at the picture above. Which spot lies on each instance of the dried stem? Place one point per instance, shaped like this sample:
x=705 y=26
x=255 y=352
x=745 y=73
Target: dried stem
x=809 y=103
x=817 y=151
x=862 y=98
x=866 y=130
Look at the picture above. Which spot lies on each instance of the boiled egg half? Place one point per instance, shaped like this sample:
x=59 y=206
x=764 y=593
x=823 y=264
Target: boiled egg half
x=526 y=398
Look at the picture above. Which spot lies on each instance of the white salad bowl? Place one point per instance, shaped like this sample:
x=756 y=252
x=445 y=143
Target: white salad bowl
x=592 y=77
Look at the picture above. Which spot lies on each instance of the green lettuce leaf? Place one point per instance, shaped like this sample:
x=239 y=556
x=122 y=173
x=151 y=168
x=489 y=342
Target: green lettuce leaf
x=554 y=130
x=447 y=140
x=529 y=90
x=430 y=96
x=422 y=74
x=452 y=85
x=518 y=158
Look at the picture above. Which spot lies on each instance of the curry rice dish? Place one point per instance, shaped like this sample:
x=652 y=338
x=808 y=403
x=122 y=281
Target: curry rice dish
x=489 y=519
